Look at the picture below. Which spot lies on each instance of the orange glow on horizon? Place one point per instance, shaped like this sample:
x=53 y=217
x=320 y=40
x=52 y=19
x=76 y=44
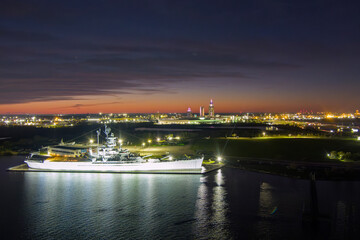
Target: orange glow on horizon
x=157 y=105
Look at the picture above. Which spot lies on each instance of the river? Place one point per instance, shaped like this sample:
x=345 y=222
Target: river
x=225 y=204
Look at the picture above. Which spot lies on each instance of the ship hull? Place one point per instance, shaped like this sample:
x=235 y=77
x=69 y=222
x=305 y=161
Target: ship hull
x=182 y=166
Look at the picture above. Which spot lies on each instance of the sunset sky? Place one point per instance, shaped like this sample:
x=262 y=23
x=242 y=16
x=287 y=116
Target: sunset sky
x=148 y=56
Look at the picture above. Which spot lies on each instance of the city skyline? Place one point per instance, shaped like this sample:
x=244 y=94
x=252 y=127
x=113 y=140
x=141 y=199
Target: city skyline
x=150 y=56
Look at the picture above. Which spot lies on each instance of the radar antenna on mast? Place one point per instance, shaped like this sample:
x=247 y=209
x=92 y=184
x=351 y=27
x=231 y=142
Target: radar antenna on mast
x=107 y=131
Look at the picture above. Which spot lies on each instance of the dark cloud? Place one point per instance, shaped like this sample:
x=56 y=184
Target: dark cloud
x=72 y=50
x=24 y=36
x=70 y=70
x=90 y=105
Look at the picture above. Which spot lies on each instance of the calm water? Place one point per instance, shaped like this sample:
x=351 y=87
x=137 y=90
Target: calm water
x=226 y=204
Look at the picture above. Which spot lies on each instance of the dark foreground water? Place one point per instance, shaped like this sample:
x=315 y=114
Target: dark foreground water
x=226 y=204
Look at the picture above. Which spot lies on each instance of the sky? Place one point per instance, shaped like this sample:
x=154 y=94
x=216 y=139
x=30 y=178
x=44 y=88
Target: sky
x=149 y=56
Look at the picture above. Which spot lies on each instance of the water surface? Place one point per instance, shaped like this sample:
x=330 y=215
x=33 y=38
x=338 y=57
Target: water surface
x=226 y=204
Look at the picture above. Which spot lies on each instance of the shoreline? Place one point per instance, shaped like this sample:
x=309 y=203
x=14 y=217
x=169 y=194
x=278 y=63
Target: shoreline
x=299 y=170
x=324 y=170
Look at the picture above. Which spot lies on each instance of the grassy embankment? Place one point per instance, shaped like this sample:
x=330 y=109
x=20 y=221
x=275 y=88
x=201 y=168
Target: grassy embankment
x=288 y=156
x=295 y=157
x=284 y=148
x=289 y=149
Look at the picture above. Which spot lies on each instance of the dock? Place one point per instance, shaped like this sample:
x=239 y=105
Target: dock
x=206 y=168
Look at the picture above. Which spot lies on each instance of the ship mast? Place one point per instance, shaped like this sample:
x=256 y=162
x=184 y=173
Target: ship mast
x=98 y=135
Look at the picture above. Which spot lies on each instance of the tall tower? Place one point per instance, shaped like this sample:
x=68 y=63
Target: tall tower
x=189 y=113
x=211 y=109
x=202 y=111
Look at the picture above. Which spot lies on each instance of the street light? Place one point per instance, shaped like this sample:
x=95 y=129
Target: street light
x=143 y=144
x=91 y=141
x=149 y=141
x=158 y=139
x=120 y=141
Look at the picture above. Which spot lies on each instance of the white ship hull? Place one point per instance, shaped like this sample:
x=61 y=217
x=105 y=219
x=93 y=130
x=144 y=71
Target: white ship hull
x=181 y=166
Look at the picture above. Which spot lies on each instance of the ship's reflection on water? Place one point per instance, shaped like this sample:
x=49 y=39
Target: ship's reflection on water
x=225 y=204
x=106 y=206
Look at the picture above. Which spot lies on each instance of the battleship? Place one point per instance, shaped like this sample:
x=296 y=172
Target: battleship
x=106 y=157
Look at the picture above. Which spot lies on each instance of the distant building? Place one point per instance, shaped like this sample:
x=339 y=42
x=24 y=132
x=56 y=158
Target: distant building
x=357 y=114
x=189 y=113
x=202 y=111
x=211 y=109
x=157 y=115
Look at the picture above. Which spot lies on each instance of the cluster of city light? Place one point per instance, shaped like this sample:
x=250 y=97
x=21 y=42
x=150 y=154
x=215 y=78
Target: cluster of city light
x=170 y=118
x=38 y=121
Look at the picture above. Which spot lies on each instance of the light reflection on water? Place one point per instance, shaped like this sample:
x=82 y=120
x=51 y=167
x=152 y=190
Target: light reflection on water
x=211 y=208
x=225 y=204
x=109 y=205
x=266 y=206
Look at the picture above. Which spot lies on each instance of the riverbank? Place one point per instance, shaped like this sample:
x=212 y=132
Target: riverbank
x=294 y=149
x=342 y=171
x=324 y=169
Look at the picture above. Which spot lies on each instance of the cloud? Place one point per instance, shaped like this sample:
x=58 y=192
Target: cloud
x=69 y=69
x=71 y=50
x=89 y=105
x=24 y=36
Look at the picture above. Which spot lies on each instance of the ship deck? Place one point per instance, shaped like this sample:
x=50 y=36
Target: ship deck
x=206 y=169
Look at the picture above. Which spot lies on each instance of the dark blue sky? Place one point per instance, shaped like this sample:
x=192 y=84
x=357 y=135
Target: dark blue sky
x=145 y=56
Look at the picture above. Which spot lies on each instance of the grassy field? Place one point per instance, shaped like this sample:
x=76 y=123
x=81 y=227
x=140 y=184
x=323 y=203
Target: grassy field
x=297 y=149
x=250 y=143
x=292 y=149
x=162 y=150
